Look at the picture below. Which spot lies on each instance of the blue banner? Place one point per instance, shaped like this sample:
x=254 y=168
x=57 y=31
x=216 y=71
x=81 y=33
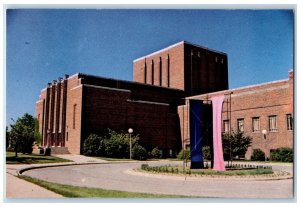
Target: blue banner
x=196 y=133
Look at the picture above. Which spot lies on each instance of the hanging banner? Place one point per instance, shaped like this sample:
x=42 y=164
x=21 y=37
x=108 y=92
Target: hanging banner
x=196 y=133
x=217 y=103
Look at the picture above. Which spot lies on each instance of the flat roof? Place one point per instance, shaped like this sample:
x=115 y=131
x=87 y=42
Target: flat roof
x=126 y=81
x=239 y=89
x=176 y=44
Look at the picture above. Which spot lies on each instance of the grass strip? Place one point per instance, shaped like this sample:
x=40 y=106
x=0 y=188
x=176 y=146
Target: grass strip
x=32 y=159
x=85 y=192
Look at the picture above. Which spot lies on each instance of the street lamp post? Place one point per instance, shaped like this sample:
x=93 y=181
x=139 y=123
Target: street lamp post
x=130 y=130
x=264 y=132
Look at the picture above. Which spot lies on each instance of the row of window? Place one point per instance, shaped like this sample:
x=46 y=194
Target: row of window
x=273 y=126
x=160 y=71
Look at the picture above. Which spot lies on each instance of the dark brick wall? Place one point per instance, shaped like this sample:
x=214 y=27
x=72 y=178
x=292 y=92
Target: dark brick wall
x=149 y=110
x=185 y=66
x=205 y=70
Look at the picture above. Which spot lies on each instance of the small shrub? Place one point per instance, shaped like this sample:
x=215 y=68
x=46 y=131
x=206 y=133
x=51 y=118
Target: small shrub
x=206 y=152
x=144 y=166
x=139 y=152
x=184 y=154
x=258 y=155
x=283 y=154
x=92 y=146
x=155 y=153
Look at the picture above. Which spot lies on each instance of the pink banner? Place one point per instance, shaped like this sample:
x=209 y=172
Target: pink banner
x=217 y=103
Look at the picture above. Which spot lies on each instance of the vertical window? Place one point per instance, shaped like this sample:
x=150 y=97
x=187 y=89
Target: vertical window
x=272 y=123
x=168 y=71
x=152 y=71
x=74 y=114
x=226 y=126
x=289 y=120
x=255 y=124
x=145 y=72
x=160 y=71
x=240 y=125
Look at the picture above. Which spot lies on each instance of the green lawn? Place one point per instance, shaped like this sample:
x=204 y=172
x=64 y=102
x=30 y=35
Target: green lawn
x=84 y=192
x=31 y=159
x=122 y=159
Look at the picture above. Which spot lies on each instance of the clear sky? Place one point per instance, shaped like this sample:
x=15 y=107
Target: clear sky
x=42 y=45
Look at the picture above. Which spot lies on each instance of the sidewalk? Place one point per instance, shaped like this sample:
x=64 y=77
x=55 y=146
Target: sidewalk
x=18 y=188
x=79 y=158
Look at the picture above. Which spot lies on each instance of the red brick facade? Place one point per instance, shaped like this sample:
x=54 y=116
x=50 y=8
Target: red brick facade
x=251 y=104
x=185 y=66
x=94 y=105
x=71 y=108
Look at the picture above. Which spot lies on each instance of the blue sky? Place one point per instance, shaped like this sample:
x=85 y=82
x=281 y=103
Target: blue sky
x=42 y=45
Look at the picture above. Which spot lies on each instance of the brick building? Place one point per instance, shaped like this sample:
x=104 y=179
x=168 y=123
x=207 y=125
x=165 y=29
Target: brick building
x=71 y=108
x=155 y=105
x=251 y=109
x=185 y=66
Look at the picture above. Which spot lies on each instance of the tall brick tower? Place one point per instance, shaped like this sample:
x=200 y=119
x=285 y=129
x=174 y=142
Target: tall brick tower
x=185 y=66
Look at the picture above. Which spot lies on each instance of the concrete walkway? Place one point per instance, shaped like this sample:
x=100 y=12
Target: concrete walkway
x=80 y=158
x=18 y=188
x=117 y=176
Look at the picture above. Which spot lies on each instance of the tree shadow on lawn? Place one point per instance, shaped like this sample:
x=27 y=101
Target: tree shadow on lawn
x=32 y=159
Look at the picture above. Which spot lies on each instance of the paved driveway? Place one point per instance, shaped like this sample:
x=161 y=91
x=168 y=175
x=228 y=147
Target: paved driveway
x=119 y=176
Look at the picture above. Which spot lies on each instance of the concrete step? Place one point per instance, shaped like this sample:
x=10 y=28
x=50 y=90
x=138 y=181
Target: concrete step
x=59 y=150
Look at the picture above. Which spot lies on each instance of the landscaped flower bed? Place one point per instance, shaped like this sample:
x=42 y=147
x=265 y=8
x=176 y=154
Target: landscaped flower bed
x=238 y=170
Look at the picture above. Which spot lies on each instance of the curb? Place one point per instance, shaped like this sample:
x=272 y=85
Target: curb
x=20 y=171
x=206 y=177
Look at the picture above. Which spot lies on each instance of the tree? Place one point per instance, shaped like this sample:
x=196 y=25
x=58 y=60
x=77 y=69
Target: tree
x=117 y=145
x=7 y=138
x=235 y=144
x=37 y=135
x=22 y=134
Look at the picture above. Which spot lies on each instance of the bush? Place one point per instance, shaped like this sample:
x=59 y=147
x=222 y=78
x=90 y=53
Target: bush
x=184 y=154
x=206 y=153
x=139 y=152
x=155 y=153
x=117 y=145
x=258 y=155
x=93 y=145
x=283 y=154
x=144 y=166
